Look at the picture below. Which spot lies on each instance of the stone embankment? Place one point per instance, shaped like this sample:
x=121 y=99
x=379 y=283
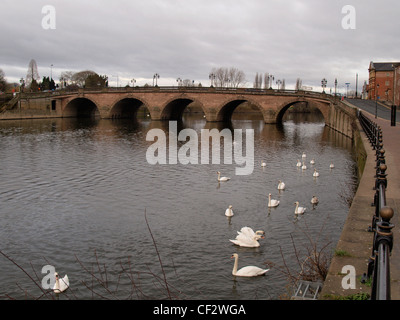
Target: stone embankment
x=354 y=247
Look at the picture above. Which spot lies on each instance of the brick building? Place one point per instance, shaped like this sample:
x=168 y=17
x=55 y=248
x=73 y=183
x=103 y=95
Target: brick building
x=384 y=82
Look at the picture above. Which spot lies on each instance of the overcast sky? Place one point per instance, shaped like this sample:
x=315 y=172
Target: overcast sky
x=289 y=39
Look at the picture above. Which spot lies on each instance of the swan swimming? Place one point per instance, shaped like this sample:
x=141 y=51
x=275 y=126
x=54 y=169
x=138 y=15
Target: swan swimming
x=299 y=210
x=332 y=166
x=304 y=167
x=249 y=271
x=222 y=178
x=312 y=161
x=229 y=212
x=298 y=163
x=263 y=164
x=60 y=285
x=271 y=202
x=250 y=232
x=248 y=238
x=316 y=173
x=281 y=185
x=303 y=155
x=314 y=200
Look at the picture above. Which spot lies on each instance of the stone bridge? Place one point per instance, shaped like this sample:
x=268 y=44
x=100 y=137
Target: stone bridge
x=218 y=105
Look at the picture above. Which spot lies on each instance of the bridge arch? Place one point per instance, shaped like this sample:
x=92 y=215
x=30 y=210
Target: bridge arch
x=81 y=108
x=225 y=112
x=322 y=107
x=173 y=109
x=127 y=108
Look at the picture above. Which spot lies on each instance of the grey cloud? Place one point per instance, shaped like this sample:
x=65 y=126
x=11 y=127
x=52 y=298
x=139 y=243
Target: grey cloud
x=176 y=38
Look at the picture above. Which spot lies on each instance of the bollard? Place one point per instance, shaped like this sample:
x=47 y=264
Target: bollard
x=393 y=116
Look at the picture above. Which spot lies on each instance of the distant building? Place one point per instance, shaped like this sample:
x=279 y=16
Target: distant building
x=384 y=82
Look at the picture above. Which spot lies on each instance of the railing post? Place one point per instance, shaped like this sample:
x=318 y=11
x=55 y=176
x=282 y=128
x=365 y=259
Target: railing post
x=383 y=244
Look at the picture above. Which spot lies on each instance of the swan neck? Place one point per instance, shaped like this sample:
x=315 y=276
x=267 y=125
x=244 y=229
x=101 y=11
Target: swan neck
x=235 y=266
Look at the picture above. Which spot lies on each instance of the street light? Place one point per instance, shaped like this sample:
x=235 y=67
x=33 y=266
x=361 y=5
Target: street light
x=323 y=84
x=211 y=76
x=347 y=89
x=179 y=81
x=133 y=81
x=22 y=85
x=156 y=76
x=376 y=101
x=278 y=82
x=271 y=78
x=335 y=86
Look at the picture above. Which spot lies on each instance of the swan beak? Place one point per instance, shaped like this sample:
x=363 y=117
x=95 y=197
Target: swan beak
x=232 y=256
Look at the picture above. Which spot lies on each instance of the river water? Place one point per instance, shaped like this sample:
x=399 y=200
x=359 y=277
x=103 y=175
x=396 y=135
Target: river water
x=79 y=195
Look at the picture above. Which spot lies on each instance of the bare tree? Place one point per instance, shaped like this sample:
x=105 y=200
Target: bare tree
x=298 y=84
x=266 y=80
x=79 y=78
x=228 y=77
x=256 y=83
x=66 y=78
x=3 y=82
x=33 y=74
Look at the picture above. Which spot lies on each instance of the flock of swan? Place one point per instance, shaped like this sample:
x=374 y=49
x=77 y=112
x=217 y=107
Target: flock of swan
x=246 y=237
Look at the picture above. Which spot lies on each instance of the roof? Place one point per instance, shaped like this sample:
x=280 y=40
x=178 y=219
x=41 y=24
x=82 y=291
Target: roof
x=383 y=66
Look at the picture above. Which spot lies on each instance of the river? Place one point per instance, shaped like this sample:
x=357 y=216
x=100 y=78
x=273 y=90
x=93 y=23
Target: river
x=79 y=195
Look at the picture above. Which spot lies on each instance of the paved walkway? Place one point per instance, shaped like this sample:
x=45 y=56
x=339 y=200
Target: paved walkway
x=355 y=240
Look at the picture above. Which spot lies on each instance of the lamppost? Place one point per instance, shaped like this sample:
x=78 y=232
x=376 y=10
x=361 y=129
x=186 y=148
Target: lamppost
x=347 y=89
x=211 y=76
x=156 y=76
x=323 y=84
x=179 y=81
x=376 y=101
x=335 y=86
x=133 y=81
x=51 y=72
x=271 y=78
x=22 y=85
x=278 y=82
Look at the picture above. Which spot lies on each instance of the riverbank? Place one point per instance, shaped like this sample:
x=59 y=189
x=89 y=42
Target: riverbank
x=355 y=244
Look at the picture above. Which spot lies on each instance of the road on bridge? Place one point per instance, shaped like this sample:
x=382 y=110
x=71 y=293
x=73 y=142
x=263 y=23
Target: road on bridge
x=370 y=106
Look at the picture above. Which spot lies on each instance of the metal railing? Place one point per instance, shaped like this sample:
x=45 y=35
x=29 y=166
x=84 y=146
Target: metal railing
x=379 y=262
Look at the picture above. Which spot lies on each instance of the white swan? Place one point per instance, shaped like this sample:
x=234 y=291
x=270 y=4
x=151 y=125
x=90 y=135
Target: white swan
x=331 y=166
x=316 y=173
x=312 y=161
x=303 y=155
x=299 y=210
x=298 y=163
x=249 y=271
x=250 y=232
x=229 y=211
x=263 y=164
x=314 y=200
x=61 y=284
x=281 y=185
x=304 y=167
x=222 y=178
x=271 y=202
x=248 y=238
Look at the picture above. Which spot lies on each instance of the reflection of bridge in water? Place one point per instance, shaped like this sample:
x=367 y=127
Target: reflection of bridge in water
x=218 y=105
